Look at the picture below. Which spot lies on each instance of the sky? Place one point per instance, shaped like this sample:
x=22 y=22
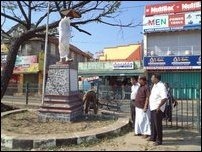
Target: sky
x=104 y=35
x=107 y=36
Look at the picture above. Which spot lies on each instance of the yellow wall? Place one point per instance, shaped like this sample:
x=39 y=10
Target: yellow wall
x=119 y=53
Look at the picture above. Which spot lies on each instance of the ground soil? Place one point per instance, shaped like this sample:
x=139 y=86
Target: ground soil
x=28 y=123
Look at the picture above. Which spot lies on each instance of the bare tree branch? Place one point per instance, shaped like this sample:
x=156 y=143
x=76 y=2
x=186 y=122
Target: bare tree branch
x=98 y=10
x=58 y=8
x=120 y=25
x=80 y=30
x=14 y=19
x=29 y=15
x=23 y=12
x=5 y=33
x=80 y=4
x=50 y=26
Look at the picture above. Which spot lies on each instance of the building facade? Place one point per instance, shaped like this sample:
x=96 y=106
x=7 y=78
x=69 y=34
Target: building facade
x=30 y=60
x=172 y=44
x=115 y=67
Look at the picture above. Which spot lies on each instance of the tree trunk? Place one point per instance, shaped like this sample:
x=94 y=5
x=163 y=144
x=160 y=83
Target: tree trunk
x=10 y=63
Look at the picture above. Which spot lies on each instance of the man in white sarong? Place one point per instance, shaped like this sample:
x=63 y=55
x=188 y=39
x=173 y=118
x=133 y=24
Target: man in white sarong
x=134 y=88
x=65 y=35
x=142 y=118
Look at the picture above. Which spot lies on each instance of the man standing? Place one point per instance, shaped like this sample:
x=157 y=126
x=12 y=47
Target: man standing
x=157 y=102
x=142 y=117
x=134 y=88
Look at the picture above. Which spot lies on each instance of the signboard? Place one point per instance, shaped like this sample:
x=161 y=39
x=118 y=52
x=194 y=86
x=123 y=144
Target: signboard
x=172 y=7
x=173 y=62
x=23 y=64
x=89 y=79
x=181 y=21
x=155 y=22
x=123 y=65
x=176 y=20
x=193 y=18
x=25 y=60
x=31 y=68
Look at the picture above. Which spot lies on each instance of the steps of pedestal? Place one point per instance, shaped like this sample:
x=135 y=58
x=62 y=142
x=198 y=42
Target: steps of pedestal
x=59 y=110
x=64 y=105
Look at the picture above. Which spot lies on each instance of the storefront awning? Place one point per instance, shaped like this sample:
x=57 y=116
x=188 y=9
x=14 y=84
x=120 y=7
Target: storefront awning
x=111 y=73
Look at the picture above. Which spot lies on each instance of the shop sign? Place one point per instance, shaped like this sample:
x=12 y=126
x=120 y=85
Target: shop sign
x=172 y=7
x=176 y=20
x=123 y=65
x=89 y=79
x=172 y=62
x=193 y=18
x=25 y=60
x=182 y=21
x=28 y=68
x=155 y=22
x=172 y=68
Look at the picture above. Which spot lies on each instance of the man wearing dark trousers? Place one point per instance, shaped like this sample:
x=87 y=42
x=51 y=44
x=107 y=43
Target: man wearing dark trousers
x=157 y=102
x=134 y=88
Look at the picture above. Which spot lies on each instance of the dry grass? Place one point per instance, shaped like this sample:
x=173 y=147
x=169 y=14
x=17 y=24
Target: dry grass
x=27 y=123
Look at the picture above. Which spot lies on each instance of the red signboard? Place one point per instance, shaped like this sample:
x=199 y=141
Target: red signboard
x=173 y=7
x=176 y=20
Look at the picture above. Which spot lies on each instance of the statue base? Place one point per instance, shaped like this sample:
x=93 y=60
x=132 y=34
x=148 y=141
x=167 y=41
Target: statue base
x=61 y=99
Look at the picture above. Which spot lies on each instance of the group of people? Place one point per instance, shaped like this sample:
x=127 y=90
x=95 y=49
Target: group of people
x=148 y=107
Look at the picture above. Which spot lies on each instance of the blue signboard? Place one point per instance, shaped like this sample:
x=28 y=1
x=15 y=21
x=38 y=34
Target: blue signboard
x=173 y=62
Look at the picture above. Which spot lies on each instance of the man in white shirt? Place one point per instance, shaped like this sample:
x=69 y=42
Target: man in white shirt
x=157 y=102
x=134 y=88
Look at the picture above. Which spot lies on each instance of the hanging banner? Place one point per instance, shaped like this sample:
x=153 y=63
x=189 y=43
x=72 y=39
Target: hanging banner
x=26 y=64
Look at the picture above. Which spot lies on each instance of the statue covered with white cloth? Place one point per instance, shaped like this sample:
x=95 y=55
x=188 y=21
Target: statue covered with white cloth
x=65 y=35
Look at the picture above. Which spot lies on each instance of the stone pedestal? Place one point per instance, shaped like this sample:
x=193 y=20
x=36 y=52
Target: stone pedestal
x=61 y=99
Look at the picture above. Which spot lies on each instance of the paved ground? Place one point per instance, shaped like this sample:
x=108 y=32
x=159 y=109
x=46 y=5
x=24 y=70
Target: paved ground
x=173 y=140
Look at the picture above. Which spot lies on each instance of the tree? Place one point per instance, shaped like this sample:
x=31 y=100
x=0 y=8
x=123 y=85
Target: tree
x=22 y=12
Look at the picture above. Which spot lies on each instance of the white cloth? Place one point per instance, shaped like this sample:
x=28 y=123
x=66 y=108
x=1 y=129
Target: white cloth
x=142 y=122
x=158 y=93
x=134 y=89
x=64 y=37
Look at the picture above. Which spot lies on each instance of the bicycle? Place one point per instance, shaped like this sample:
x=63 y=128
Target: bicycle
x=110 y=100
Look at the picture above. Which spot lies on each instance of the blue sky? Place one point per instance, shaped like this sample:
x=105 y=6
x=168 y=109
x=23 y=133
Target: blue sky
x=104 y=35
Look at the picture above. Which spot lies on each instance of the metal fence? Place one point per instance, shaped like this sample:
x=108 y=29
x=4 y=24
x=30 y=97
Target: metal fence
x=23 y=93
x=187 y=114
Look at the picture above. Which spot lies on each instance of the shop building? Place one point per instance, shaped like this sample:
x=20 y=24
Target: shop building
x=172 y=44
x=29 y=64
x=115 y=67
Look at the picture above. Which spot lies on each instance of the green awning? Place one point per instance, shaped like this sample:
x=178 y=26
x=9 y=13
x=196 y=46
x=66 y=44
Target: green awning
x=111 y=73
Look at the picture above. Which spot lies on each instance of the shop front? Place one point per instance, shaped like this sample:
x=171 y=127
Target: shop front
x=112 y=75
